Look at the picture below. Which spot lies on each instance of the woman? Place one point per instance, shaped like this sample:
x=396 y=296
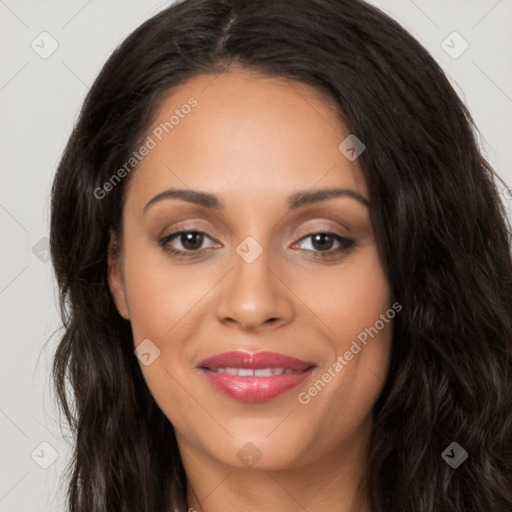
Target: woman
x=285 y=272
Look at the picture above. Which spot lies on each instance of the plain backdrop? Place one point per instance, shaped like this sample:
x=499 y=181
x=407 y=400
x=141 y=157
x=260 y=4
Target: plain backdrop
x=50 y=54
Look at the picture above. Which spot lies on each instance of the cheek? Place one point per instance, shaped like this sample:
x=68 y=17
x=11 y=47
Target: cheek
x=162 y=299
x=345 y=390
x=354 y=302
x=347 y=298
x=160 y=294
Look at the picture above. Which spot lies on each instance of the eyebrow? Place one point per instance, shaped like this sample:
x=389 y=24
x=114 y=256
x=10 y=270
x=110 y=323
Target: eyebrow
x=296 y=200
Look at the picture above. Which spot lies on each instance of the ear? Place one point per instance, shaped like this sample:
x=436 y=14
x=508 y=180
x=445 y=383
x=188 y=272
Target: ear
x=116 y=278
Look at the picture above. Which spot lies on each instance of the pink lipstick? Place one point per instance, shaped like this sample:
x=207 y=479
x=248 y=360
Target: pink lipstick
x=254 y=377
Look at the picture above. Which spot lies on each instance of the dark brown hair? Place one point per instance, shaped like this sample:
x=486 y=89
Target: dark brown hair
x=441 y=229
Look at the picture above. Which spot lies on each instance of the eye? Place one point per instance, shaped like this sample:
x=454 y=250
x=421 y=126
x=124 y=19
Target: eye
x=322 y=242
x=190 y=240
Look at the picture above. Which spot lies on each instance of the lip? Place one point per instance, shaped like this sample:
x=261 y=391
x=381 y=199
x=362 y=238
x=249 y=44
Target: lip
x=252 y=388
x=259 y=360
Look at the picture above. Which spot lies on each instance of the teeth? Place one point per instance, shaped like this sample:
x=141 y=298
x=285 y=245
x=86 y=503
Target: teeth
x=249 y=372
x=263 y=372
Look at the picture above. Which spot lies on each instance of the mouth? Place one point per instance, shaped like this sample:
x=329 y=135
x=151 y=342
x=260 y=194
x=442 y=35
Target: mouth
x=249 y=372
x=254 y=377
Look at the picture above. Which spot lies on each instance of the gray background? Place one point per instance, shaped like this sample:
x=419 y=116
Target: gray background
x=39 y=102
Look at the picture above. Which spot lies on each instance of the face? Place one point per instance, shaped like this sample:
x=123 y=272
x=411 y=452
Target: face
x=280 y=281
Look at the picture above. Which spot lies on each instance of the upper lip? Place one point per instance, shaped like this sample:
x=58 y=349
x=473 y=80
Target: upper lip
x=258 y=360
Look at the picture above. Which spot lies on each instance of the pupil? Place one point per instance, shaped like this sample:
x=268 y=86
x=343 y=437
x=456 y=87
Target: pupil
x=322 y=237
x=189 y=241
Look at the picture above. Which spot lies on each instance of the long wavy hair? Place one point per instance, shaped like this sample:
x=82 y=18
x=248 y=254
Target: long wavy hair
x=441 y=229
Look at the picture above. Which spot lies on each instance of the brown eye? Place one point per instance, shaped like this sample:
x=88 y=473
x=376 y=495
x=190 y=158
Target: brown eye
x=191 y=242
x=321 y=243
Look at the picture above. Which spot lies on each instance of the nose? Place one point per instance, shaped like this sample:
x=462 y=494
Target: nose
x=254 y=296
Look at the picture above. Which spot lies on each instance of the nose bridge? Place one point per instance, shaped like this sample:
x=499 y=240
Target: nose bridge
x=253 y=294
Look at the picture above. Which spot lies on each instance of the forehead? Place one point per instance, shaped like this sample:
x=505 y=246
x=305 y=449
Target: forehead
x=241 y=135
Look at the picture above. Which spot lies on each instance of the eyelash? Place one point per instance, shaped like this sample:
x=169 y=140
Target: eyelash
x=346 y=243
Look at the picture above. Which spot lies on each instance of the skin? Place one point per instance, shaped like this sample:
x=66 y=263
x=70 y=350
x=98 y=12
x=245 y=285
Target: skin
x=253 y=141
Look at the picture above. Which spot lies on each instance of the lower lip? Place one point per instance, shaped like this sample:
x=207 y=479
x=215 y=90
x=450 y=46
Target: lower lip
x=254 y=389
